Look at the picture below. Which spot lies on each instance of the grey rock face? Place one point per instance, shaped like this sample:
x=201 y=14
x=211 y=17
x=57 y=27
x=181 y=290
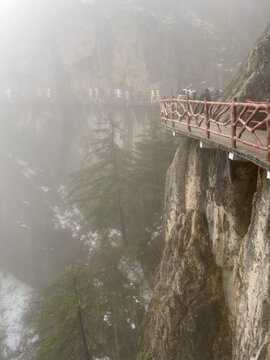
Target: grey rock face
x=253 y=79
x=211 y=299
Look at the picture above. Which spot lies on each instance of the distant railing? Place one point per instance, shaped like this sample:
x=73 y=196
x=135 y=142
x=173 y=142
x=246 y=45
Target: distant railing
x=241 y=122
x=86 y=96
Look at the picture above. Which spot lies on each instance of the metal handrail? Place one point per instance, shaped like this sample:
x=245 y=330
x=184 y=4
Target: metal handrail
x=244 y=119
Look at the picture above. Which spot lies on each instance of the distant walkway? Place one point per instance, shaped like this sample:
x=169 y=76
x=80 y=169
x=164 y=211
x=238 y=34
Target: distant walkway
x=243 y=128
x=95 y=96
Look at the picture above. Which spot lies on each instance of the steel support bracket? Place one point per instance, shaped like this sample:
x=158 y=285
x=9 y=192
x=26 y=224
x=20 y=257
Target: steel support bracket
x=204 y=145
x=234 y=157
x=175 y=133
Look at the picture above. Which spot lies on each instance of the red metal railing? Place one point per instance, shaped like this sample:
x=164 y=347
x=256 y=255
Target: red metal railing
x=247 y=123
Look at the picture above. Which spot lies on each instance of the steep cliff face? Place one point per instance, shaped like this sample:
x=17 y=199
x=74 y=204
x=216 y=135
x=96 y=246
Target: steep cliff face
x=253 y=78
x=211 y=299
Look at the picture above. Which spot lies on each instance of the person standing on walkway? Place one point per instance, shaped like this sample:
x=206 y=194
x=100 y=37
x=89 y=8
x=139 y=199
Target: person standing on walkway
x=90 y=94
x=152 y=96
x=194 y=95
x=158 y=95
x=118 y=94
x=97 y=96
x=181 y=105
x=206 y=95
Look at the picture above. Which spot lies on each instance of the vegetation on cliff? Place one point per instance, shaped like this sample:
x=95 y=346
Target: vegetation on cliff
x=95 y=308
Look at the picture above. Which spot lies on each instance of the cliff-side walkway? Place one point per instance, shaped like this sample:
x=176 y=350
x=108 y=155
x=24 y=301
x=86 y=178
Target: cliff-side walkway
x=243 y=129
x=86 y=97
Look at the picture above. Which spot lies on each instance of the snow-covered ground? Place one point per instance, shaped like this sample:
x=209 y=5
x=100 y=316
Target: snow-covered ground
x=14 y=297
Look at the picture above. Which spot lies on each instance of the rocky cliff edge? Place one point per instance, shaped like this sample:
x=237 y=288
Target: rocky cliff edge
x=211 y=299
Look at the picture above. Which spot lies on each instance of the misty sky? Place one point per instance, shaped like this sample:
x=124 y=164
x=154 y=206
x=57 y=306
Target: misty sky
x=31 y=31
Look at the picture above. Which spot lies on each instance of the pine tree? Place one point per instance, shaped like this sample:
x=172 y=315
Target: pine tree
x=95 y=312
x=124 y=311
x=100 y=189
x=86 y=316
x=70 y=319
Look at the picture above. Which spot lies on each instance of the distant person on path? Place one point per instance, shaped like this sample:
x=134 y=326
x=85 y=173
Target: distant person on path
x=118 y=94
x=152 y=96
x=206 y=95
x=218 y=94
x=194 y=95
x=90 y=94
x=158 y=95
x=97 y=96
x=127 y=95
x=182 y=96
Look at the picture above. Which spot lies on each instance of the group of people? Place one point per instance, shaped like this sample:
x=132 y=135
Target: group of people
x=16 y=93
x=122 y=95
x=194 y=95
x=155 y=96
x=113 y=95
x=93 y=95
x=98 y=96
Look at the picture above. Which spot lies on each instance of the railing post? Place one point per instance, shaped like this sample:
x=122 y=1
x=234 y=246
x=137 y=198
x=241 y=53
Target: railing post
x=188 y=117
x=163 y=106
x=268 y=131
x=233 y=123
x=206 y=118
x=172 y=102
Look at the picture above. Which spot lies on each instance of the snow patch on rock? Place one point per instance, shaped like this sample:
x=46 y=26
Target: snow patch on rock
x=14 y=297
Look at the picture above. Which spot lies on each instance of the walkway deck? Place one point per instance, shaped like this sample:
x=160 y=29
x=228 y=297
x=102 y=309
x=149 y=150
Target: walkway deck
x=246 y=152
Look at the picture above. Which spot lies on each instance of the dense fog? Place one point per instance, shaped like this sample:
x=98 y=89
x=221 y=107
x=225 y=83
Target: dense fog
x=42 y=43
x=67 y=66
